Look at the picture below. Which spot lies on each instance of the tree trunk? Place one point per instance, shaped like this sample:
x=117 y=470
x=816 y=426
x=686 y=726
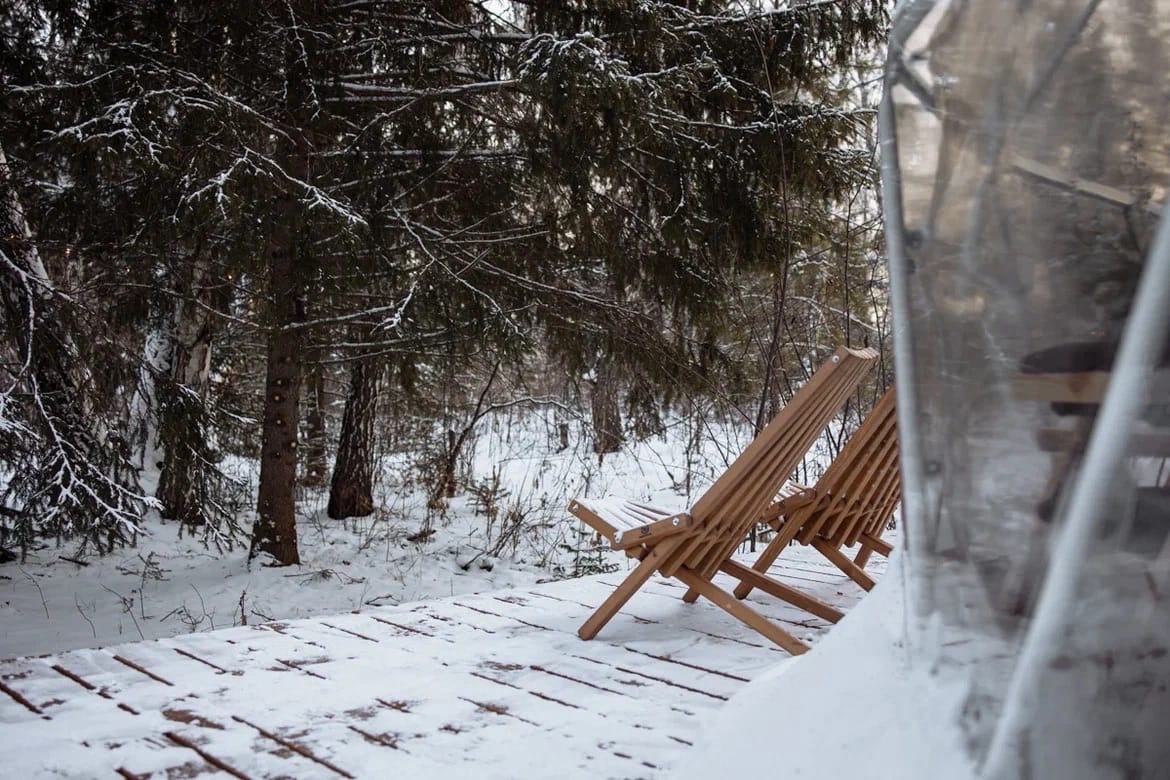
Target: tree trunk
x=143 y=426
x=275 y=531
x=447 y=484
x=190 y=370
x=607 y=416
x=351 y=493
x=314 y=475
x=772 y=358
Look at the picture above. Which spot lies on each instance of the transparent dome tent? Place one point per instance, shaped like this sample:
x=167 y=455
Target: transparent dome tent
x=1026 y=155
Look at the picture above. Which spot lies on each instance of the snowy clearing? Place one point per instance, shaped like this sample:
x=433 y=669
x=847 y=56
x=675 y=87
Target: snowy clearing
x=510 y=529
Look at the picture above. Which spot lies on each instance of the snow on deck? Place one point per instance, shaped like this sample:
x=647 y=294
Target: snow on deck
x=486 y=685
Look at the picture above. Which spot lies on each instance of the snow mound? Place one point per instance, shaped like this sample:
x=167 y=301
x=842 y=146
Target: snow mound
x=857 y=706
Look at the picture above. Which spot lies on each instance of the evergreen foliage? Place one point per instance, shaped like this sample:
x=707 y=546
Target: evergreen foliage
x=672 y=196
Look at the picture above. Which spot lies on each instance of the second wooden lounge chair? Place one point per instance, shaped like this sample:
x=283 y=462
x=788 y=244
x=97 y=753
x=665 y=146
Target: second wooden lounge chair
x=850 y=504
x=692 y=546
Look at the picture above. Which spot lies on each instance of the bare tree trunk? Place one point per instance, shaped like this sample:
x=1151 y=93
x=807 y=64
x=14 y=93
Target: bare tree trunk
x=351 y=493
x=143 y=427
x=772 y=357
x=190 y=370
x=314 y=475
x=607 y=415
x=193 y=330
x=275 y=531
x=448 y=485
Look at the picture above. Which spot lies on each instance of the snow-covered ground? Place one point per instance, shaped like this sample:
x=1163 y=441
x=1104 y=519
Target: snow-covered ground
x=856 y=706
x=169 y=585
x=492 y=685
x=460 y=679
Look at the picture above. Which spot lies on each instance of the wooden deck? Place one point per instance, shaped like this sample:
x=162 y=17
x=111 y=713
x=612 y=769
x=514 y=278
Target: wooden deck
x=487 y=685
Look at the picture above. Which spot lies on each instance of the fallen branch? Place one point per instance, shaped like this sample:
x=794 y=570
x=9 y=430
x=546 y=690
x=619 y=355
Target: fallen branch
x=37 y=585
x=92 y=627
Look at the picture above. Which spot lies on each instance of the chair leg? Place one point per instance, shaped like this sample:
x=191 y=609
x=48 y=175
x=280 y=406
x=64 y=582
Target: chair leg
x=692 y=595
x=741 y=611
x=783 y=536
x=869 y=546
x=781 y=591
x=842 y=562
x=634 y=580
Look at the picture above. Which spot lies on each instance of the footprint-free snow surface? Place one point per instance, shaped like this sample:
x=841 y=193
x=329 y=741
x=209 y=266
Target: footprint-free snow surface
x=485 y=685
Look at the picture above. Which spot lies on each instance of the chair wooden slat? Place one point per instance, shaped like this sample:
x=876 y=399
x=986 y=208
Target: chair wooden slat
x=775 y=466
x=860 y=483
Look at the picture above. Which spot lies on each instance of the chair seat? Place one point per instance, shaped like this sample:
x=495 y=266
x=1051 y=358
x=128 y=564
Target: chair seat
x=629 y=523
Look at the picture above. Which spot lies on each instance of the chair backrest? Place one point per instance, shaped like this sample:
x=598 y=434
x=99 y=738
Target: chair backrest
x=726 y=512
x=862 y=486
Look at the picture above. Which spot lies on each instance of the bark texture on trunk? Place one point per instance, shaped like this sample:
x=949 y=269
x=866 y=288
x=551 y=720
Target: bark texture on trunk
x=190 y=368
x=351 y=492
x=275 y=531
x=314 y=471
x=607 y=415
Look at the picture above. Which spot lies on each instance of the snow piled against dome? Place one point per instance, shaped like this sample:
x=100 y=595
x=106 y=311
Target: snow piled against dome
x=854 y=706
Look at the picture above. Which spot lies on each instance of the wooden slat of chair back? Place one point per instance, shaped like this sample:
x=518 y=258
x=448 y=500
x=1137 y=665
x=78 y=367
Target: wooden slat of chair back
x=853 y=497
x=770 y=476
x=888 y=491
x=875 y=524
x=856 y=492
x=862 y=485
x=728 y=509
x=828 y=403
x=878 y=495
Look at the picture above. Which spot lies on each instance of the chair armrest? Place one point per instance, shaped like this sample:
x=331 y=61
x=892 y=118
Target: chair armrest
x=652 y=532
x=801 y=497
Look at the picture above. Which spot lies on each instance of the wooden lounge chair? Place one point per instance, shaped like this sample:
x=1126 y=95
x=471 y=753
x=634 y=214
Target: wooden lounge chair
x=850 y=504
x=692 y=546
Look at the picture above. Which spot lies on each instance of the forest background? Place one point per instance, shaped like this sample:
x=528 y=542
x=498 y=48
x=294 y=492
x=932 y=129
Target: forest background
x=262 y=256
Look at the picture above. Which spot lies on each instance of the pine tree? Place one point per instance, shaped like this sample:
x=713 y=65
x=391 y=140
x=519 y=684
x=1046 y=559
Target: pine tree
x=685 y=149
x=592 y=182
